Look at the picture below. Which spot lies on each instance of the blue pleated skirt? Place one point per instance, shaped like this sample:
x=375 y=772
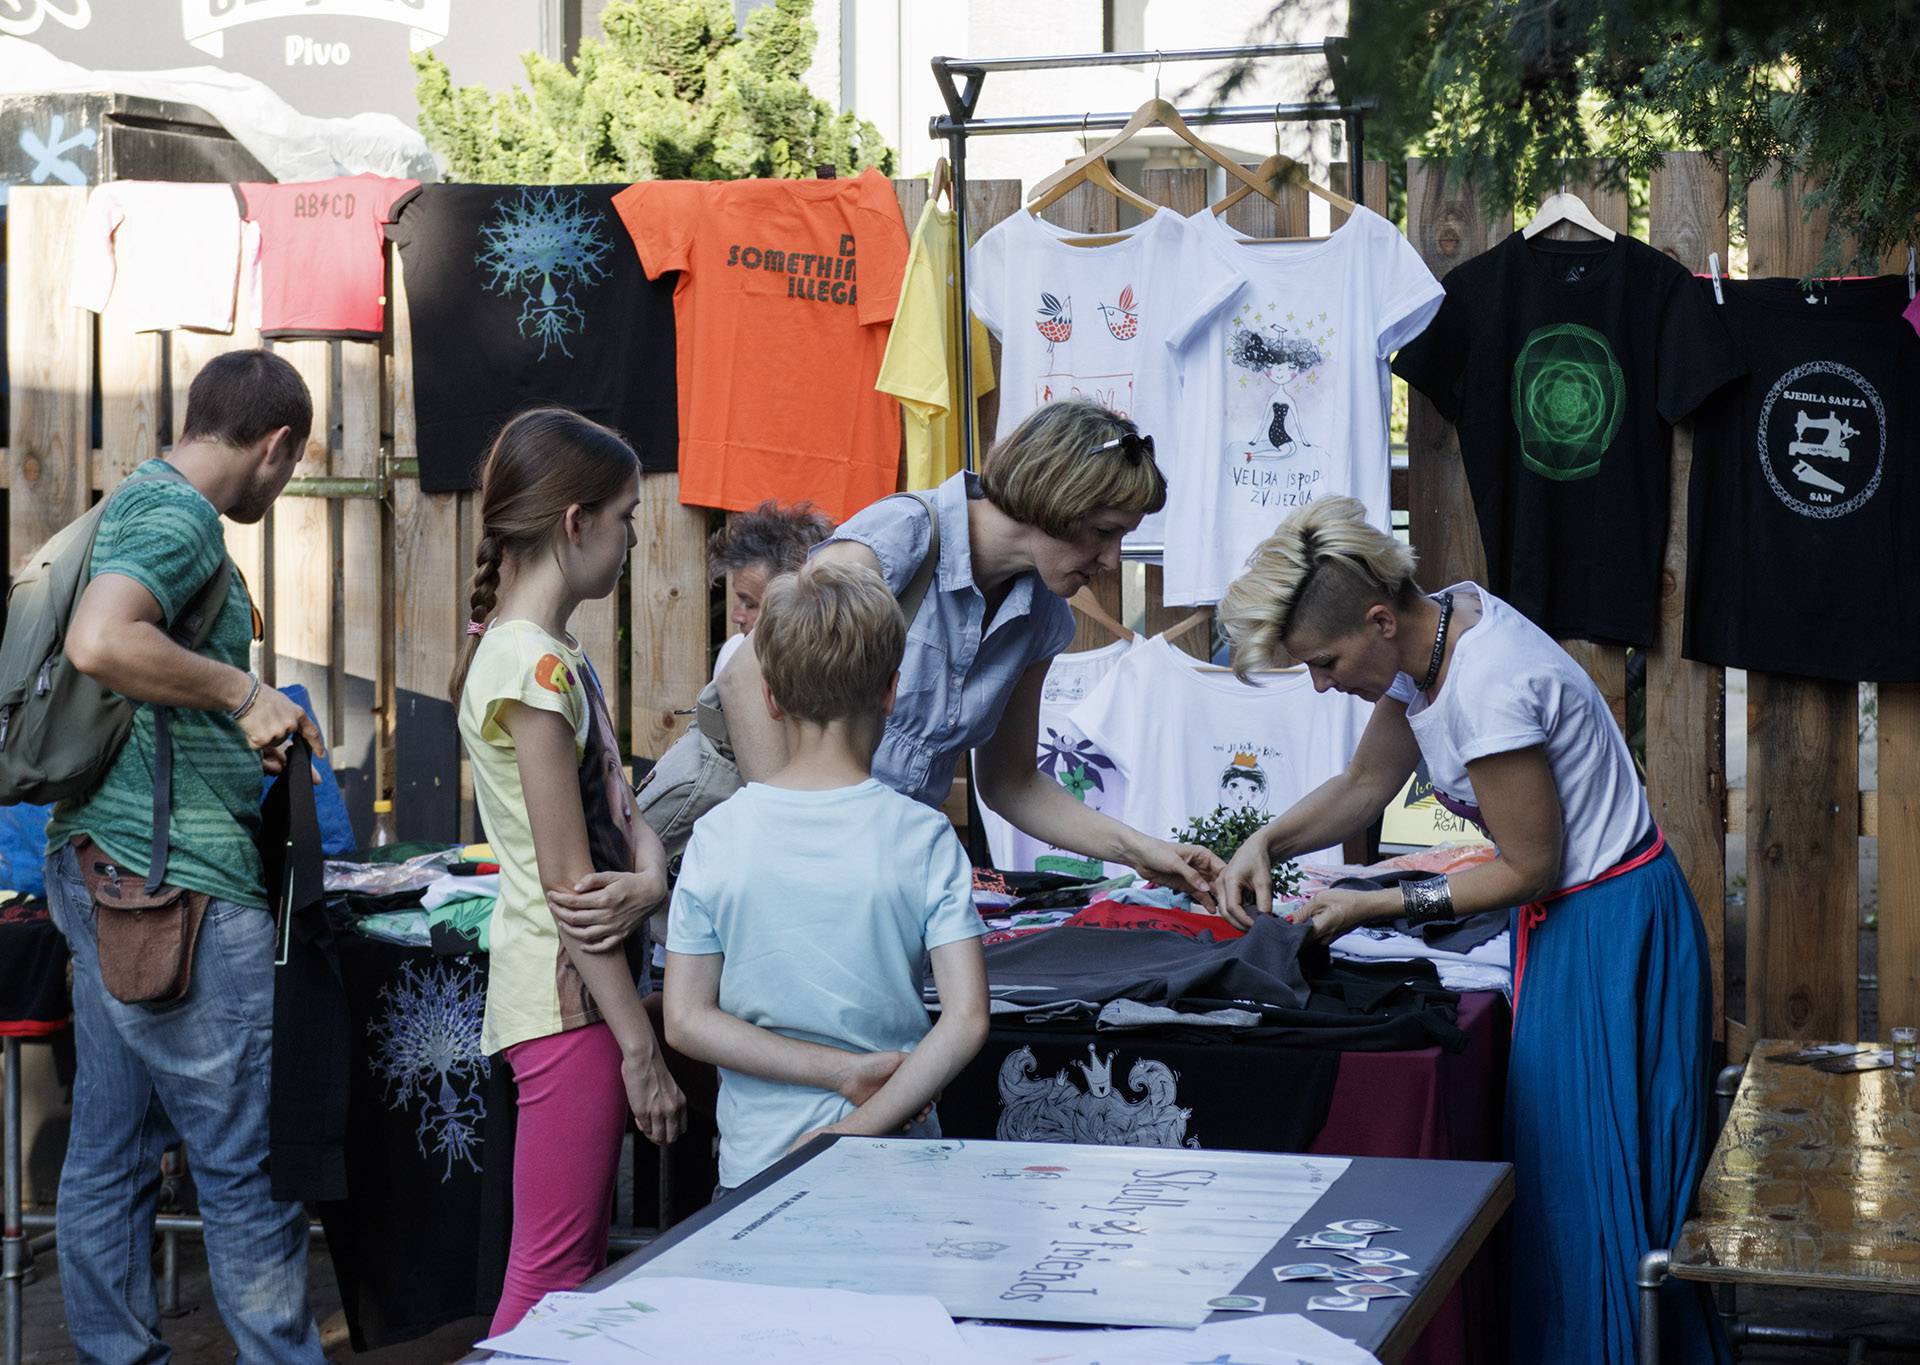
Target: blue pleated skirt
x=1608 y=1097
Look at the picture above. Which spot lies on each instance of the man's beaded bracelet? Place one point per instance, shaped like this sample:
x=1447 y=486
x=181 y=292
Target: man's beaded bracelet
x=253 y=695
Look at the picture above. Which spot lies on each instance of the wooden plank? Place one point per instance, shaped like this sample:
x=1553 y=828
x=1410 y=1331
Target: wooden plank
x=133 y=396
x=1869 y=813
x=429 y=616
x=1803 y=780
x=1091 y=211
x=1258 y=216
x=1447 y=226
x=304 y=560
x=1605 y=664
x=1375 y=180
x=669 y=634
x=49 y=372
x=1814 y=1183
x=1686 y=701
x=1899 y=831
x=363 y=617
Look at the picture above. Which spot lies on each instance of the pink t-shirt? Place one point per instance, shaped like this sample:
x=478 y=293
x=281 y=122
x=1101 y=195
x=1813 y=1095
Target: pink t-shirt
x=322 y=264
x=1912 y=313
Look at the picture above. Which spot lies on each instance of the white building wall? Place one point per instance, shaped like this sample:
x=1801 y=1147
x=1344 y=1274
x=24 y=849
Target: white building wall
x=885 y=47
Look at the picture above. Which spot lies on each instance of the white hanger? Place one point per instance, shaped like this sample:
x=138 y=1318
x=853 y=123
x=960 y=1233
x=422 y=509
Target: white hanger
x=1910 y=254
x=1566 y=208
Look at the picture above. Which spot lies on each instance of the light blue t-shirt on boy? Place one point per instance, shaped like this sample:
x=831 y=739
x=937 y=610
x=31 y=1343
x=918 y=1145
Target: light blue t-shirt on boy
x=824 y=903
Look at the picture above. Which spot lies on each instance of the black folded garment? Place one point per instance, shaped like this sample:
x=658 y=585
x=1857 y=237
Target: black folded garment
x=1153 y=966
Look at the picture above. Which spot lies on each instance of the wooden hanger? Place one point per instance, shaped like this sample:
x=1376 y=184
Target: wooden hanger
x=1281 y=165
x=1187 y=623
x=1182 y=627
x=1095 y=172
x=1155 y=111
x=941 y=182
x=1566 y=208
x=1089 y=606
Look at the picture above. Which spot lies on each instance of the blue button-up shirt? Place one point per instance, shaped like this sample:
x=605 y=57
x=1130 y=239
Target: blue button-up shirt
x=959 y=669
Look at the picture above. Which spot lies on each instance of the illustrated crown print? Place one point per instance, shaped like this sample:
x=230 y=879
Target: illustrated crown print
x=1245 y=760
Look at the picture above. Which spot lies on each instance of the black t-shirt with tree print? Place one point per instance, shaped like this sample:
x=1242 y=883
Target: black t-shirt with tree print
x=1564 y=366
x=1802 y=515
x=525 y=295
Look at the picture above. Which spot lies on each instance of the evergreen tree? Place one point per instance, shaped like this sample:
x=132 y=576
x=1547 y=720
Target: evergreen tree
x=672 y=91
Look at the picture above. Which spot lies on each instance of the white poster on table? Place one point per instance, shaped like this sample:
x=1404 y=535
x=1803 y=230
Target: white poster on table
x=1033 y=1232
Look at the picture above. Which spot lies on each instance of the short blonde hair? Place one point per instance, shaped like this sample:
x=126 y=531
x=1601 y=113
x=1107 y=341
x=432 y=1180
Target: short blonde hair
x=829 y=640
x=1047 y=474
x=1322 y=568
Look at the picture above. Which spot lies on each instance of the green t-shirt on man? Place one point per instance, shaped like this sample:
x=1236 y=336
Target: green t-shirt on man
x=167 y=538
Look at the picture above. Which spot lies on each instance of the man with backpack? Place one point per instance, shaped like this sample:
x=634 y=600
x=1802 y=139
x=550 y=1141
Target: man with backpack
x=173 y=979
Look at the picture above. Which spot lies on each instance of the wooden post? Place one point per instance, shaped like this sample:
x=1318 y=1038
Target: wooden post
x=304 y=567
x=1686 y=701
x=362 y=607
x=133 y=385
x=1446 y=225
x=1374 y=175
x=670 y=617
x=1803 y=777
x=1899 y=943
x=49 y=371
x=429 y=616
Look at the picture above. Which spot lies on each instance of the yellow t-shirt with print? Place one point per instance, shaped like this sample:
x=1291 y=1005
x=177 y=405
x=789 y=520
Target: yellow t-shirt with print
x=533 y=990
x=922 y=364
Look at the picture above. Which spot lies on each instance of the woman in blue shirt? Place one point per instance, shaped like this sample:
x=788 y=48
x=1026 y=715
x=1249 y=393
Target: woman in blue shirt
x=1049 y=512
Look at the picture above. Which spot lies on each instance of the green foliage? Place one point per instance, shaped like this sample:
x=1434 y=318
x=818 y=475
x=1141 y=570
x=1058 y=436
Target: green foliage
x=1228 y=828
x=1508 y=92
x=672 y=91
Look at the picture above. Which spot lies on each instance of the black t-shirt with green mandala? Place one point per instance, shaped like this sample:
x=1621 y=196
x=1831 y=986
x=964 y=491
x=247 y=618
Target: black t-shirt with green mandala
x=1564 y=366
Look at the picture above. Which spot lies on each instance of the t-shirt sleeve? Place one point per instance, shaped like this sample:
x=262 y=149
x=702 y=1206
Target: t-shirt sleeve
x=1505 y=715
x=1056 y=626
x=660 y=215
x=1696 y=356
x=897 y=529
x=1435 y=362
x=531 y=675
x=880 y=237
x=690 y=927
x=391 y=192
x=1408 y=293
x=987 y=277
x=951 y=917
x=1113 y=718
x=1202 y=281
x=399 y=227
x=165 y=537
x=91 y=283
x=915 y=367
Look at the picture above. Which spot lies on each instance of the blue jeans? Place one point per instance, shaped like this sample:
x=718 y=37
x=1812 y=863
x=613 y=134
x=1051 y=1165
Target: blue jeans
x=198 y=1068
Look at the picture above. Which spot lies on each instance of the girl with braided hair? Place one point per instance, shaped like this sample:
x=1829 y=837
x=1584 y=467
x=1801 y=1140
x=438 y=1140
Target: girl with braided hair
x=578 y=870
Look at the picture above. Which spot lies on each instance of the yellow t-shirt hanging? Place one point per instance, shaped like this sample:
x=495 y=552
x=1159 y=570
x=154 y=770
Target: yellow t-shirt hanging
x=922 y=364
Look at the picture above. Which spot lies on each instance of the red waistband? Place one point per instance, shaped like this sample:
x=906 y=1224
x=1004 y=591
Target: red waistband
x=1533 y=915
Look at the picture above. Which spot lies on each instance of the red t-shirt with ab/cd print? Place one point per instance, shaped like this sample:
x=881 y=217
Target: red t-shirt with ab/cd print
x=322 y=264
x=787 y=290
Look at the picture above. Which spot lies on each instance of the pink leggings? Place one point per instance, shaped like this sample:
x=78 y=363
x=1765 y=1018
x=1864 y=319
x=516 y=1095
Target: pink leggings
x=566 y=1155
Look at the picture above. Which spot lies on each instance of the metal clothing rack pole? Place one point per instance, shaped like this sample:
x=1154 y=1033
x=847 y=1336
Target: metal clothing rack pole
x=960 y=80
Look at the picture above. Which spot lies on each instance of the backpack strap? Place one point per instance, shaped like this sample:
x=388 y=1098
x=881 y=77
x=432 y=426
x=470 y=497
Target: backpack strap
x=189 y=630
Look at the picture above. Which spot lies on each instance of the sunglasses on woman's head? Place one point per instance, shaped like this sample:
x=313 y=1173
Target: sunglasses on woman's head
x=1131 y=444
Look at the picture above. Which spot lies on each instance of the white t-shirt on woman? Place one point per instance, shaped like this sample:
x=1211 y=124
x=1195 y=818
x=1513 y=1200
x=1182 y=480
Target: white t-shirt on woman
x=1511 y=687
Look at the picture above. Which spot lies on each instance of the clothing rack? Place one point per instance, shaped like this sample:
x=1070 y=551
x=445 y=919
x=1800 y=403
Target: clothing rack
x=961 y=78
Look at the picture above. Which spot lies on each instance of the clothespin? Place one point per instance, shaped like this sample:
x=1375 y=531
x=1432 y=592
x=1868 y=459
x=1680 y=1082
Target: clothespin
x=1909 y=272
x=1713 y=268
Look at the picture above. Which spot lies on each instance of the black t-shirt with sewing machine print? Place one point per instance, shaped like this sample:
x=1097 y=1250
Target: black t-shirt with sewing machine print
x=1804 y=512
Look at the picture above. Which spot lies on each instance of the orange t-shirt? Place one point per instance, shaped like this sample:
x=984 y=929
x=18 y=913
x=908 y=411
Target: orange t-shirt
x=786 y=292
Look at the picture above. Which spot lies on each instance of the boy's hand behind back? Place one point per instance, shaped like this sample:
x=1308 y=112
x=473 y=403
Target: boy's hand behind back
x=865 y=1073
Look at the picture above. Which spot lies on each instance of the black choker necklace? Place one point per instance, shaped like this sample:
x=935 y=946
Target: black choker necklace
x=1439 y=639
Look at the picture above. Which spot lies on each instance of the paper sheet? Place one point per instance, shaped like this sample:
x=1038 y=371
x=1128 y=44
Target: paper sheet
x=1027 y=1232
x=679 y=1320
x=1280 y=1339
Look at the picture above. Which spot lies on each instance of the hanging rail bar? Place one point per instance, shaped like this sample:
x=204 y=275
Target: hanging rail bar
x=968 y=65
x=943 y=125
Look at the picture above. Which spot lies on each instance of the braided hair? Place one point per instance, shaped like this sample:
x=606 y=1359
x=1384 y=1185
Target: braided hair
x=544 y=461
